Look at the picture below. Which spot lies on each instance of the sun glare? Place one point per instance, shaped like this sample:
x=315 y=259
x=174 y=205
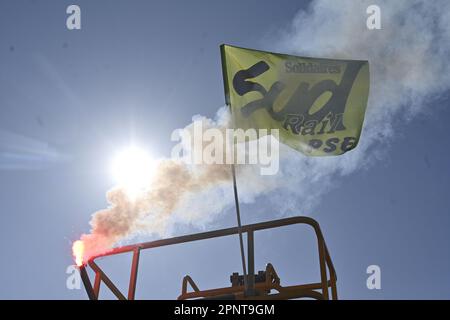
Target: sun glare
x=133 y=169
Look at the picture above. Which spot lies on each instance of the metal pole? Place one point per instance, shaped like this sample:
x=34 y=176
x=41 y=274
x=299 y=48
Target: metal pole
x=238 y=215
x=323 y=270
x=133 y=275
x=87 y=283
x=251 y=263
x=97 y=283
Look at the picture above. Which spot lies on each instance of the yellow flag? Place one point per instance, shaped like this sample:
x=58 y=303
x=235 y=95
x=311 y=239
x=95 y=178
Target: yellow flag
x=318 y=105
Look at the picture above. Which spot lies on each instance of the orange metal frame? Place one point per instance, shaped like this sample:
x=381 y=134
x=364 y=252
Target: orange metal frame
x=318 y=290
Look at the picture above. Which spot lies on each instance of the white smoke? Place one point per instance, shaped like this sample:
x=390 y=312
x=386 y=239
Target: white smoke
x=409 y=70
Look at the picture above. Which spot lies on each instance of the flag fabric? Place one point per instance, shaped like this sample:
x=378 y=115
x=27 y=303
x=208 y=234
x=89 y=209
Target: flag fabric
x=318 y=105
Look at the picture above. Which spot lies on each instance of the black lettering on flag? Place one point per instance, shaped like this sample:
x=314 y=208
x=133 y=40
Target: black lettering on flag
x=331 y=145
x=315 y=143
x=348 y=144
x=303 y=98
x=294 y=122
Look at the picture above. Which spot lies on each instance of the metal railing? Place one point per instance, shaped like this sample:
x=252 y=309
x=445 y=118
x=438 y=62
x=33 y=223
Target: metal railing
x=325 y=263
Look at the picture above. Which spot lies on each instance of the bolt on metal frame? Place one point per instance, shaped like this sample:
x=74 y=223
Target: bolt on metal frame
x=297 y=291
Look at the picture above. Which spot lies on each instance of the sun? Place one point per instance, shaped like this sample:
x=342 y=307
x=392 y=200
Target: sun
x=132 y=169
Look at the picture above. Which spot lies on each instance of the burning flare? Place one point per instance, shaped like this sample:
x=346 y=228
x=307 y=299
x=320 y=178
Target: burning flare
x=78 y=252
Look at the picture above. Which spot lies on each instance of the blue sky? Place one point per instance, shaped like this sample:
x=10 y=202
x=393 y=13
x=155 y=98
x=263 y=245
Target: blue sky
x=136 y=71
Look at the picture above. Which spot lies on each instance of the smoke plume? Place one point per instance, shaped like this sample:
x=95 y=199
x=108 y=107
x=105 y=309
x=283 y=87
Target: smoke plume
x=409 y=71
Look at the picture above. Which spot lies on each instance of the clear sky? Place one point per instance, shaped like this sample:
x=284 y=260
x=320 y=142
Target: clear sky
x=136 y=71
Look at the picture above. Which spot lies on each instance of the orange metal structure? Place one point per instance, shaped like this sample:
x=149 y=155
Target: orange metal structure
x=264 y=285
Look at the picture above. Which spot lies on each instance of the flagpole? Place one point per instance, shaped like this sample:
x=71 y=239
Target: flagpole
x=233 y=171
x=238 y=216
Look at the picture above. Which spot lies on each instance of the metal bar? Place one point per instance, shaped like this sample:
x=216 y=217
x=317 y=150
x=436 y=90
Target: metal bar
x=323 y=270
x=97 y=282
x=212 y=234
x=87 y=283
x=334 y=295
x=328 y=259
x=133 y=275
x=290 y=295
x=333 y=277
x=107 y=281
x=220 y=291
x=251 y=263
x=188 y=280
x=239 y=227
x=260 y=286
x=308 y=286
